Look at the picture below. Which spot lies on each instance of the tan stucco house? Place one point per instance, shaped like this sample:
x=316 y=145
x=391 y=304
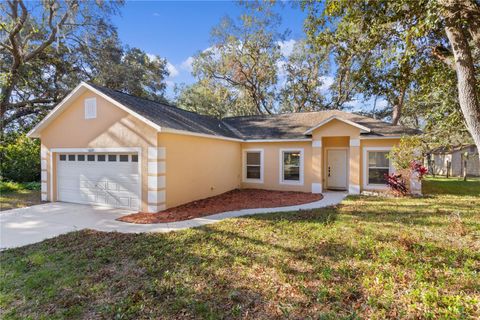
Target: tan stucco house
x=103 y=147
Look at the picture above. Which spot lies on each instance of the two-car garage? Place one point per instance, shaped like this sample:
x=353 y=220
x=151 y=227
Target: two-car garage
x=106 y=179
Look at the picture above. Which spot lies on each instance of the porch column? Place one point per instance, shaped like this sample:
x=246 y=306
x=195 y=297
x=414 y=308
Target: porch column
x=317 y=165
x=354 y=166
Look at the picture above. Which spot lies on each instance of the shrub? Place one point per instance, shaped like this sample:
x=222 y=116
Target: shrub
x=418 y=168
x=409 y=149
x=10 y=186
x=19 y=158
x=396 y=183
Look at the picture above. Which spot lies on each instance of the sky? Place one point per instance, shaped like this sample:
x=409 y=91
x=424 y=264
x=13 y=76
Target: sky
x=177 y=30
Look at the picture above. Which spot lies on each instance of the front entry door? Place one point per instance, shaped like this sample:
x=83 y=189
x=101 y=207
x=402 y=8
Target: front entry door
x=337 y=169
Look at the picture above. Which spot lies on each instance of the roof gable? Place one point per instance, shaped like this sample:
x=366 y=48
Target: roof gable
x=334 y=117
x=74 y=94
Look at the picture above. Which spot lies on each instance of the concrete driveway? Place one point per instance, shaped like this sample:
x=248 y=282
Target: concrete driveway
x=19 y=227
x=24 y=226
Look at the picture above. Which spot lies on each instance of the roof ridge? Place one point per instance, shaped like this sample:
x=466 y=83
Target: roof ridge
x=166 y=103
x=285 y=113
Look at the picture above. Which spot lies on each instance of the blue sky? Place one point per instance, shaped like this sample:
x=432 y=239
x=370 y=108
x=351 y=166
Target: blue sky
x=176 y=30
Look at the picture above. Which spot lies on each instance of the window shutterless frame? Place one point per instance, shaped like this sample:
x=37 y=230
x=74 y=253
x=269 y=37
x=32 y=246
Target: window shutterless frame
x=244 y=165
x=281 y=165
x=365 y=168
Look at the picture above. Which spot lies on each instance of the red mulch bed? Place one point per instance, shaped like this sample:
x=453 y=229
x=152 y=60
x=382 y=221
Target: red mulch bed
x=233 y=200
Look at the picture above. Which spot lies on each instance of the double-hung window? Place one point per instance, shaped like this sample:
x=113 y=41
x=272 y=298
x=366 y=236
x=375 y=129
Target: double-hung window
x=291 y=166
x=253 y=169
x=378 y=166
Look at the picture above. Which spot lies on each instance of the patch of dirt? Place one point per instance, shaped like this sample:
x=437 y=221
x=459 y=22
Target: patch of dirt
x=233 y=200
x=24 y=198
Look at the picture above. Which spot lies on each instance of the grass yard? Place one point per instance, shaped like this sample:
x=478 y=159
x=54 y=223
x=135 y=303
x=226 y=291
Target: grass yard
x=370 y=257
x=18 y=195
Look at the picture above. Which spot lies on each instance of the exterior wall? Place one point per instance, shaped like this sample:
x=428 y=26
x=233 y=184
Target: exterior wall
x=112 y=128
x=199 y=167
x=456 y=170
x=271 y=166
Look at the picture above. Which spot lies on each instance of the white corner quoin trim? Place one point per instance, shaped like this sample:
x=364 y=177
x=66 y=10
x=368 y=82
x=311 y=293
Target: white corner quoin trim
x=157 y=153
x=354 y=189
x=316 y=187
x=354 y=142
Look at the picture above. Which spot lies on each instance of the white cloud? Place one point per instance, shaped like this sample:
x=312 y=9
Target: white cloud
x=170 y=84
x=172 y=70
x=281 y=68
x=286 y=47
x=327 y=83
x=187 y=64
x=156 y=14
x=152 y=57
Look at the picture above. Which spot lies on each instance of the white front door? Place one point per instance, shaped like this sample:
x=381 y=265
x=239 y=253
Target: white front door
x=99 y=179
x=337 y=169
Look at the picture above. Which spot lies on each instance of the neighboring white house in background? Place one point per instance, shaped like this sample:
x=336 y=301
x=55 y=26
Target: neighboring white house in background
x=440 y=158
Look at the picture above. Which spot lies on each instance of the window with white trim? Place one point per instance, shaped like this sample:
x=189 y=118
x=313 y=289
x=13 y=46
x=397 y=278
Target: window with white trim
x=291 y=166
x=378 y=166
x=90 y=105
x=253 y=165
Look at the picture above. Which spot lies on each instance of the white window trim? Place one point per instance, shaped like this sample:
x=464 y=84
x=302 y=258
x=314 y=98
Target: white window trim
x=90 y=113
x=372 y=186
x=244 y=166
x=280 y=166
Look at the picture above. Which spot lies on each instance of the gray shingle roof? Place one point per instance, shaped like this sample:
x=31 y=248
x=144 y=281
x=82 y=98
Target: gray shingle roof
x=169 y=116
x=293 y=125
x=279 y=126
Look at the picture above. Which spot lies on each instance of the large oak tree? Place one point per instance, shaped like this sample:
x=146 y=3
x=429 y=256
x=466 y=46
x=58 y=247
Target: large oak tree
x=396 y=36
x=48 y=47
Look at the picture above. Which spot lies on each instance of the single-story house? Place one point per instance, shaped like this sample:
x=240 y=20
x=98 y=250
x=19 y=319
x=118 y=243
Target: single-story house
x=439 y=159
x=103 y=147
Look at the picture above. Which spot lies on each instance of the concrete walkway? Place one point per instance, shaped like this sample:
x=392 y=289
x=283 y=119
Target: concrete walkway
x=19 y=227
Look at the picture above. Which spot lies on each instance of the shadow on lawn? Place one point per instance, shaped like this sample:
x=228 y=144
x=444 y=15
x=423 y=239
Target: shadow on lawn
x=279 y=265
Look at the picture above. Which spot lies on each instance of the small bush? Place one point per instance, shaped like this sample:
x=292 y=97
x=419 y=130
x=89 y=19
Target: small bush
x=10 y=186
x=19 y=158
x=396 y=183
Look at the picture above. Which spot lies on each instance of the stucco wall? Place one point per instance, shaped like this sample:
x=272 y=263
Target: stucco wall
x=112 y=128
x=198 y=167
x=271 y=154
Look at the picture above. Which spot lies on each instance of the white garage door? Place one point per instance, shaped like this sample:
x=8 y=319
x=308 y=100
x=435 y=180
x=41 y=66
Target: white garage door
x=107 y=179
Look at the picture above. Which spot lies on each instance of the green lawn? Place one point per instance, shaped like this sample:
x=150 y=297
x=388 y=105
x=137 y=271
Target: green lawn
x=18 y=195
x=370 y=257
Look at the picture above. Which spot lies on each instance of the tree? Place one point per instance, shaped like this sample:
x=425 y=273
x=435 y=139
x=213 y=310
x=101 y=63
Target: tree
x=243 y=58
x=205 y=97
x=47 y=48
x=305 y=72
x=405 y=31
x=28 y=36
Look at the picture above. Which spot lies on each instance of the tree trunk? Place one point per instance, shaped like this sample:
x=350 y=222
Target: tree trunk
x=465 y=69
x=398 y=106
